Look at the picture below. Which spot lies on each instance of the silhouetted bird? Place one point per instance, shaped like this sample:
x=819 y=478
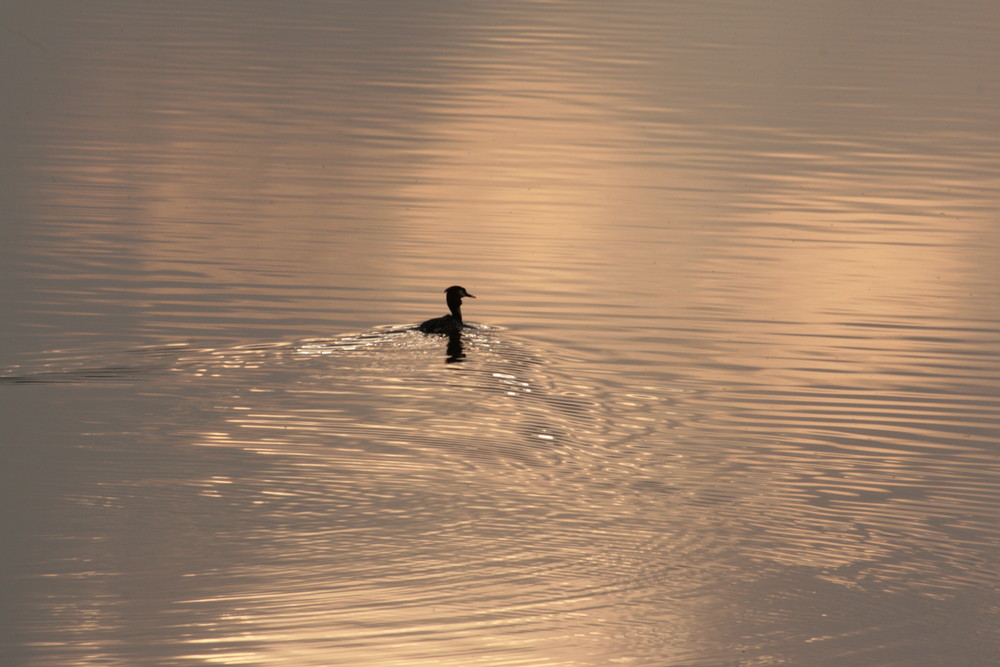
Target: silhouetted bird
x=448 y=324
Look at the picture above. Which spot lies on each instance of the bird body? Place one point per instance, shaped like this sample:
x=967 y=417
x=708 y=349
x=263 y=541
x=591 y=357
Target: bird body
x=452 y=323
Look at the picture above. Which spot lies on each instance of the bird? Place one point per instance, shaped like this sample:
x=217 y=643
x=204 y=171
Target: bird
x=448 y=324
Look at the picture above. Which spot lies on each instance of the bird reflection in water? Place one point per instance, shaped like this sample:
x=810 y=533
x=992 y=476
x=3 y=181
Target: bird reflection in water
x=456 y=350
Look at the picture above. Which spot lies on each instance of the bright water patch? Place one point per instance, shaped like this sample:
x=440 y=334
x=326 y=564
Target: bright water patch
x=358 y=486
x=359 y=494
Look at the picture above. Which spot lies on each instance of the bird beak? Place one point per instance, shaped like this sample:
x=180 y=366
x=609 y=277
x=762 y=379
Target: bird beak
x=471 y=296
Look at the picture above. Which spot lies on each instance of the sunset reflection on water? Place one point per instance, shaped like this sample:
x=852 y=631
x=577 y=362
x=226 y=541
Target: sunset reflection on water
x=730 y=394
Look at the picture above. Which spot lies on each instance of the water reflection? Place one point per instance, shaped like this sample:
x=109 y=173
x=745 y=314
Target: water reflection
x=347 y=484
x=456 y=350
x=407 y=487
x=735 y=402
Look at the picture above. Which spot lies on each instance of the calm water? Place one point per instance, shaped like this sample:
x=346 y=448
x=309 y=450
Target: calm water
x=731 y=396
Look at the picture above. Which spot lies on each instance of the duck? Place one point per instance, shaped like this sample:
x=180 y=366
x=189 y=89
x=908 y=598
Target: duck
x=448 y=324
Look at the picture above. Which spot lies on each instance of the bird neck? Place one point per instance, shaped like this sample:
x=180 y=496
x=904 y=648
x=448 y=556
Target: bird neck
x=455 y=306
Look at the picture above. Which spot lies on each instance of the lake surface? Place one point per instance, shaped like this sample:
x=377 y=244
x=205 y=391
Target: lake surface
x=731 y=392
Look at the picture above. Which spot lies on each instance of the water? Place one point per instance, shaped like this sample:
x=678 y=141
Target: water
x=731 y=395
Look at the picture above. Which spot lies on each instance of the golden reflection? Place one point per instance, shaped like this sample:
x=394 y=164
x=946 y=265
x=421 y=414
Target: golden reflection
x=762 y=362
